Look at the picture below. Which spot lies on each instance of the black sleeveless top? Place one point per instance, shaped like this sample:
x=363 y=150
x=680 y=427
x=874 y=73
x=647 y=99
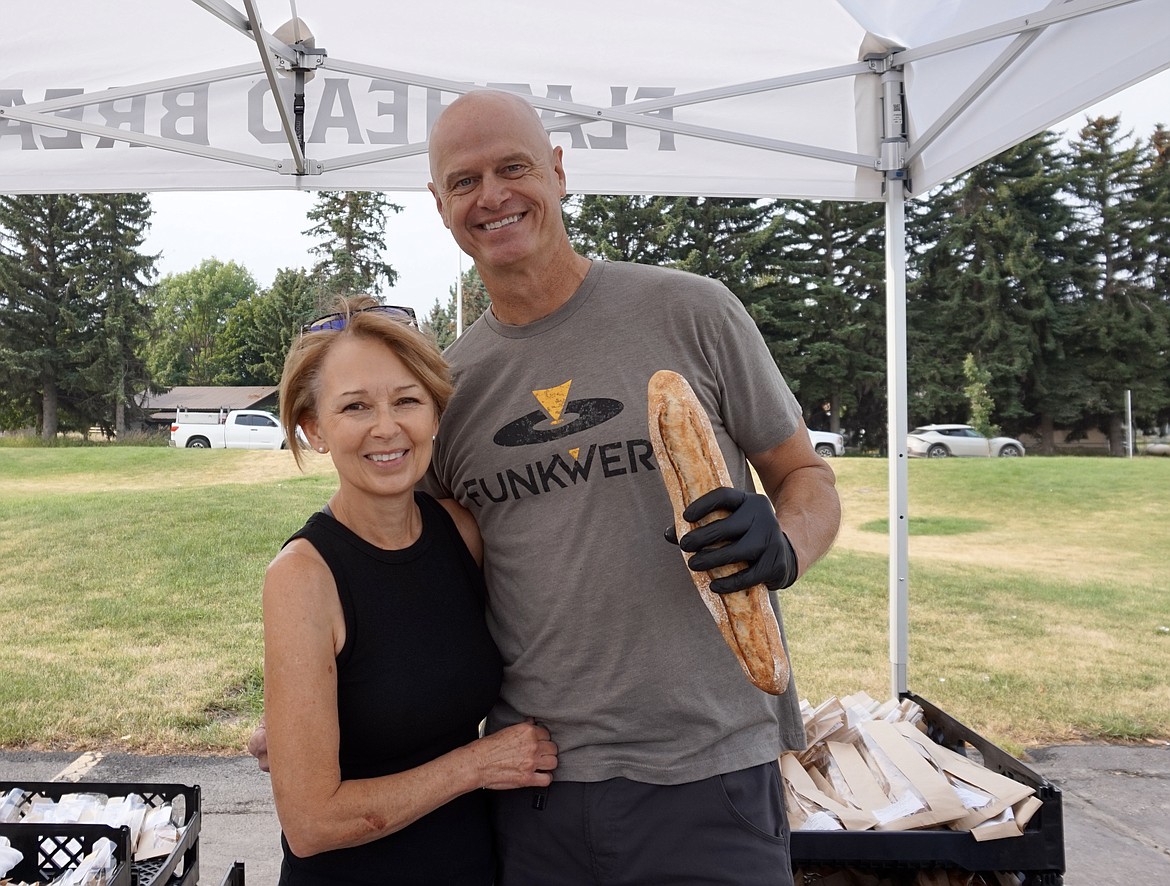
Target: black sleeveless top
x=417 y=673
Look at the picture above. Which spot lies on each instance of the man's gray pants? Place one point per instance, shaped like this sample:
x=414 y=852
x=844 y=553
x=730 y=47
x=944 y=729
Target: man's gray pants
x=727 y=830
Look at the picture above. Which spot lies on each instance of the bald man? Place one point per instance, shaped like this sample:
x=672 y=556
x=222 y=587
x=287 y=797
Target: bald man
x=668 y=755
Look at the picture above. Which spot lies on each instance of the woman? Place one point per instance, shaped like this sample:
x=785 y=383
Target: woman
x=378 y=666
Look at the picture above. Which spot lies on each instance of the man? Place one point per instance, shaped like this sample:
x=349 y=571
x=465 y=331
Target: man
x=668 y=754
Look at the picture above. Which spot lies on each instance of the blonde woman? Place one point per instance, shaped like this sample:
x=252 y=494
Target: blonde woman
x=378 y=665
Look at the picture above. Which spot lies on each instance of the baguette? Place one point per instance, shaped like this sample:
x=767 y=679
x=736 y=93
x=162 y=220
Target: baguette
x=692 y=465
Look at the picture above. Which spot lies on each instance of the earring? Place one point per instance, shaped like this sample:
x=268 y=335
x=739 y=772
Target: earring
x=321 y=449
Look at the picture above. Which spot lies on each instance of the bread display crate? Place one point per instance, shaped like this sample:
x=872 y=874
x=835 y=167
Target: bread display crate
x=1037 y=854
x=51 y=849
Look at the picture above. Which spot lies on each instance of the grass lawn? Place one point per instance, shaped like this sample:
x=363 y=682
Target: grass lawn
x=130 y=588
x=1038 y=607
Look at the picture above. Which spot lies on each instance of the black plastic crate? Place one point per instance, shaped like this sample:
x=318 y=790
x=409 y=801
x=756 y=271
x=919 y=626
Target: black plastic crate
x=234 y=876
x=51 y=849
x=1037 y=854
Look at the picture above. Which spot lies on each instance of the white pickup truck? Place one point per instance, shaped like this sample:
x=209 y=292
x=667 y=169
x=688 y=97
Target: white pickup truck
x=826 y=443
x=234 y=429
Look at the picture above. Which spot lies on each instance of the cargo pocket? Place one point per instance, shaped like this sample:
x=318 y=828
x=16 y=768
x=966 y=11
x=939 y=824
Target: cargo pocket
x=754 y=798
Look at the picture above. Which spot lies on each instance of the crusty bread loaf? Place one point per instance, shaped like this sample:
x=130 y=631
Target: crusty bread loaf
x=691 y=465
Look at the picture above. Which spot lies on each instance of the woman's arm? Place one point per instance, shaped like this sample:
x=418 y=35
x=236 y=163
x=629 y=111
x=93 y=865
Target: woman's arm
x=303 y=630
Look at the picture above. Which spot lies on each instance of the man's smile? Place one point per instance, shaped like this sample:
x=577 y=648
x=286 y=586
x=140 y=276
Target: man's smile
x=502 y=223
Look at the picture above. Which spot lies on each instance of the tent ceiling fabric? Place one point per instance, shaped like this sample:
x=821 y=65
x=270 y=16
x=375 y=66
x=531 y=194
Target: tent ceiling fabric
x=749 y=98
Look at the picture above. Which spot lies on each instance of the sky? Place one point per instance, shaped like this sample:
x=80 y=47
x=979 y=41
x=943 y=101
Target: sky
x=263 y=230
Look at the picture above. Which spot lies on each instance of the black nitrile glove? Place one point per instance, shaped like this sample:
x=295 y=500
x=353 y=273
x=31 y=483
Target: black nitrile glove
x=749 y=534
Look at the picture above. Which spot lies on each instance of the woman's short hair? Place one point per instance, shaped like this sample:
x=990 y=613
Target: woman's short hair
x=300 y=380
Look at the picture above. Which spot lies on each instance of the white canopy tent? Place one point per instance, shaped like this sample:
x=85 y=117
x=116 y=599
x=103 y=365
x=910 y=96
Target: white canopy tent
x=846 y=100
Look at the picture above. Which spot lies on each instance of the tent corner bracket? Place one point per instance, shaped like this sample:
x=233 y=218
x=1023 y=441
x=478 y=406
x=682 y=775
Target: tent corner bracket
x=881 y=62
x=289 y=167
x=307 y=59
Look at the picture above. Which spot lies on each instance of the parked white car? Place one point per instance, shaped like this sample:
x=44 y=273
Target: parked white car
x=941 y=441
x=826 y=443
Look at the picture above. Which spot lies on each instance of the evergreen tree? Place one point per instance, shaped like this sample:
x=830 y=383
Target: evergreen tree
x=115 y=278
x=978 y=398
x=822 y=309
x=932 y=380
x=807 y=272
x=442 y=320
x=621 y=228
x=45 y=321
x=1121 y=333
x=1153 y=209
x=991 y=272
x=351 y=228
x=259 y=329
x=726 y=239
x=190 y=312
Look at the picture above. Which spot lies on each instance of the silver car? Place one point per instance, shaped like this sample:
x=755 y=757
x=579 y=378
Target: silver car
x=941 y=441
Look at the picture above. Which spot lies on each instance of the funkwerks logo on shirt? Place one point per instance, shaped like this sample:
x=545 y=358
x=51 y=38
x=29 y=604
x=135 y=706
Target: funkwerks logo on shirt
x=559 y=417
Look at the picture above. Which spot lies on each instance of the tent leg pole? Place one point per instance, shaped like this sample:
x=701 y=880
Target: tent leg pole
x=896 y=407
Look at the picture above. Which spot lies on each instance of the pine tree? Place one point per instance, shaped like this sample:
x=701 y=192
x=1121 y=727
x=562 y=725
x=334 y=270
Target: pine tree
x=620 y=228
x=115 y=278
x=978 y=397
x=442 y=320
x=1121 y=338
x=260 y=328
x=44 y=319
x=821 y=310
x=991 y=271
x=1153 y=208
x=351 y=228
x=807 y=273
x=726 y=239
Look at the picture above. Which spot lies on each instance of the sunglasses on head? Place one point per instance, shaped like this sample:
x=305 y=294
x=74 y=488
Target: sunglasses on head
x=339 y=319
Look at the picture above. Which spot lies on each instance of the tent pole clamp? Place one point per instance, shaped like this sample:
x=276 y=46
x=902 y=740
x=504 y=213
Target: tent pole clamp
x=307 y=58
x=289 y=167
x=880 y=62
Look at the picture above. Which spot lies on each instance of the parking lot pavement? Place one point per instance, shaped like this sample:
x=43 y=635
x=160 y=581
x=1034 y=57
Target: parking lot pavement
x=1115 y=802
x=238 y=818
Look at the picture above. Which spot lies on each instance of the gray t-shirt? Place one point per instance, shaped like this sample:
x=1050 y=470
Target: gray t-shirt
x=604 y=638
